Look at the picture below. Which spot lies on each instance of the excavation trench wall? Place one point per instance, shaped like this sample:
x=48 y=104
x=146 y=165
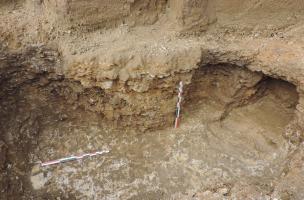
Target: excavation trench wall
x=118 y=63
x=31 y=83
x=143 y=102
x=227 y=87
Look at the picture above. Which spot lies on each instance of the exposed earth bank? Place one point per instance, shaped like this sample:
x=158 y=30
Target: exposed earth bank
x=77 y=76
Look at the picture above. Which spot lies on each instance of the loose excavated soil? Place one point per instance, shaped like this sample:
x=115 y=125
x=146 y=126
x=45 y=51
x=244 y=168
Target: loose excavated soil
x=82 y=76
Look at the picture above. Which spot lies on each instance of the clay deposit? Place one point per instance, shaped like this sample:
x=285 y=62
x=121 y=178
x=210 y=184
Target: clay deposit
x=81 y=76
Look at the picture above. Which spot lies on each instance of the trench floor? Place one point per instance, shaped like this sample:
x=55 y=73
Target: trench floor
x=205 y=155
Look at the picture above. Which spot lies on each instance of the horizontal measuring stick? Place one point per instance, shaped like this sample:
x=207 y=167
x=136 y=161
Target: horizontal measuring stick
x=73 y=158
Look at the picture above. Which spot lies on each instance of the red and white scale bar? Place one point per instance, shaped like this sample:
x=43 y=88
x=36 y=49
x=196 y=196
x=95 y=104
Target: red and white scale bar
x=72 y=158
x=178 y=105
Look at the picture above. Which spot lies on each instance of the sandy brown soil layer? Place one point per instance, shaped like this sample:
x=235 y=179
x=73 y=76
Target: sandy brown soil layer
x=229 y=134
x=79 y=76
